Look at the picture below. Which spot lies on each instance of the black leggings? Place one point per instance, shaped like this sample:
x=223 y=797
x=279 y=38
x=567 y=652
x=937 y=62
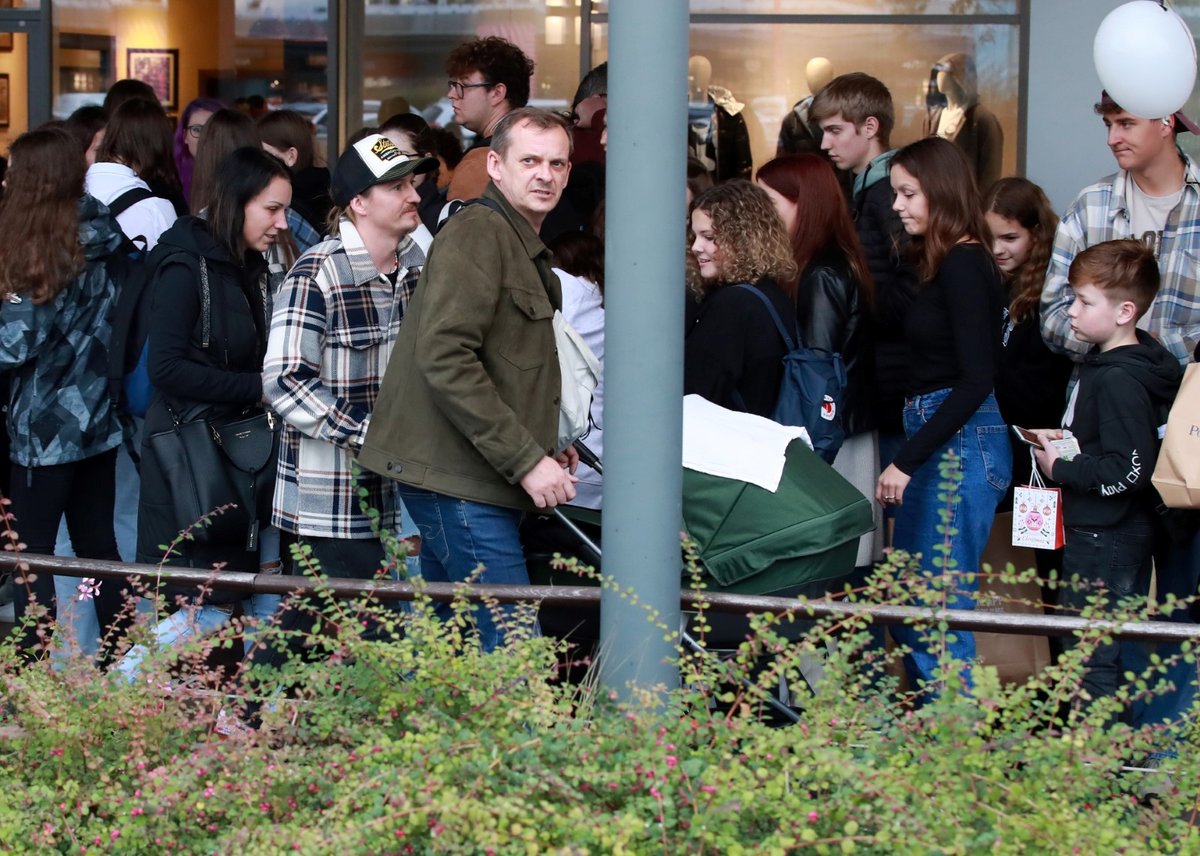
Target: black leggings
x=85 y=492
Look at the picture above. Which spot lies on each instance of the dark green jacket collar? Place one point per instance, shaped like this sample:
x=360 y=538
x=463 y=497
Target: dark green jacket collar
x=529 y=238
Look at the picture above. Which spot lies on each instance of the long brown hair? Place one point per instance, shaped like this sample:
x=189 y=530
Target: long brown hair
x=948 y=184
x=39 y=216
x=822 y=216
x=225 y=131
x=1023 y=201
x=139 y=135
x=747 y=228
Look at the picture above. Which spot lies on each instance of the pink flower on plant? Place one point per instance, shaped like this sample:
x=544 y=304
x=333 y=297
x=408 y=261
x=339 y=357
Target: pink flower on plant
x=88 y=588
x=671 y=762
x=813 y=817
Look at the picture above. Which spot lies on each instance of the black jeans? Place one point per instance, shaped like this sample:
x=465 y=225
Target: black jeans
x=360 y=559
x=1116 y=560
x=85 y=492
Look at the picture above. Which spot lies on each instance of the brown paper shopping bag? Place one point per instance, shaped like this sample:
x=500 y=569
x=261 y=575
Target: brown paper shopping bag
x=1177 y=473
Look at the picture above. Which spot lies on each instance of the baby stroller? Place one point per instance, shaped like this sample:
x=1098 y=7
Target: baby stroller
x=798 y=541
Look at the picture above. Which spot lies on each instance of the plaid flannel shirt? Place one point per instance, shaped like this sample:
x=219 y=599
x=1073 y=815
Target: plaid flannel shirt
x=1101 y=213
x=305 y=236
x=335 y=321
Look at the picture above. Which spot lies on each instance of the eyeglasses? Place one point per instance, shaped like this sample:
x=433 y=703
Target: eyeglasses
x=458 y=89
x=194 y=130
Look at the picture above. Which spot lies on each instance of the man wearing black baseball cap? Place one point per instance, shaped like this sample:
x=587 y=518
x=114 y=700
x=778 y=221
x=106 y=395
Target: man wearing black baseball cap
x=336 y=318
x=1154 y=197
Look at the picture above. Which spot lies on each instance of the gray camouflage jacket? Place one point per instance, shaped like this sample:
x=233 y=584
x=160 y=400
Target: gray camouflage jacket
x=59 y=406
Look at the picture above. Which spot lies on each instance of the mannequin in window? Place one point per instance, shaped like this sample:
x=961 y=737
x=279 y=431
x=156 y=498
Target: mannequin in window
x=718 y=133
x=964 y=121
x=799 y=133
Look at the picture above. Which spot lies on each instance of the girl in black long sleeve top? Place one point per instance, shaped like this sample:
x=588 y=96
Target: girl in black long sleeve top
x=953 y=328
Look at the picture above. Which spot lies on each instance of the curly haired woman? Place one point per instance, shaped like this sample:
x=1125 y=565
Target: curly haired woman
x=732 y=354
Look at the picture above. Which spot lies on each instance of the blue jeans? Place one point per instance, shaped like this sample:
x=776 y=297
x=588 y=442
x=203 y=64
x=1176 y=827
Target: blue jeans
x=198 y=621
x=1178 y=573
x=458 y=537
x=982 y=449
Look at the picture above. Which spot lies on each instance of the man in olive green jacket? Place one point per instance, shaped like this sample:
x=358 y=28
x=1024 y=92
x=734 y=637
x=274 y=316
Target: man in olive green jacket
x=467 y=414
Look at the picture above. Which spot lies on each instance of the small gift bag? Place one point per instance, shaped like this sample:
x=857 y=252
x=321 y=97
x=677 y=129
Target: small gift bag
x=1037 y=514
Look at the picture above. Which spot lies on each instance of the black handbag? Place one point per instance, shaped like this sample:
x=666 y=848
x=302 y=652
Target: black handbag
x=220 y=463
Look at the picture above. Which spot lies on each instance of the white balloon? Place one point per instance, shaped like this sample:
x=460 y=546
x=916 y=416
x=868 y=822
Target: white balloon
x=1146 y=58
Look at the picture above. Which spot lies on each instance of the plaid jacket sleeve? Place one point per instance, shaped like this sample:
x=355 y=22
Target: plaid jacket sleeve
x=1057 y=296
x=292 y=371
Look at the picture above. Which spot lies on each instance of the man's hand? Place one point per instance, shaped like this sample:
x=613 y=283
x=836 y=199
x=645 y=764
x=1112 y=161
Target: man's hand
x=548 y=484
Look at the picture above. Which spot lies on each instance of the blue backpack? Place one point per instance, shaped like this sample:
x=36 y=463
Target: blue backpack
x=812 y=390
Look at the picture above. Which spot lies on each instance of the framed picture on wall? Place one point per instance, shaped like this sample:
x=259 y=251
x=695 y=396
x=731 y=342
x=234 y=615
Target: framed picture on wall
x=3 y=100
x=158 y=67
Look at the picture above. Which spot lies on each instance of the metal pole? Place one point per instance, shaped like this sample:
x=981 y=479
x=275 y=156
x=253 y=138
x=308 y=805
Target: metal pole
x=589 y=596
x=643 y=428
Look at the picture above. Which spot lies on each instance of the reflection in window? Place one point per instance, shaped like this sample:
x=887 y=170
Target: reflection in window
x=847 y=7
x=763 y=67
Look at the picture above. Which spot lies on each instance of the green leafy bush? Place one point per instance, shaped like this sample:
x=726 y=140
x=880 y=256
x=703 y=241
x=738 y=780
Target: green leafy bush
x=424 y=744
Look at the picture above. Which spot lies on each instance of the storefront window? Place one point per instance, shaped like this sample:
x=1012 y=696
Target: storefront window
x=846 y=7
x=407 y=41
x=763 y=67
x=14 y=83
x=185 y=49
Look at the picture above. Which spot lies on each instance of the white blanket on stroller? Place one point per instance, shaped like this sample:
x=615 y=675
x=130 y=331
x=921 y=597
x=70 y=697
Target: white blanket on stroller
x=735 y=445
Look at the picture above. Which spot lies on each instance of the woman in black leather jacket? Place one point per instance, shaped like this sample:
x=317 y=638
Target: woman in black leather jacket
x=834 y=300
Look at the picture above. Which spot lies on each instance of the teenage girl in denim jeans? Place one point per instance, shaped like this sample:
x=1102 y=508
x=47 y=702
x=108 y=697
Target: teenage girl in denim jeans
x=953 y=330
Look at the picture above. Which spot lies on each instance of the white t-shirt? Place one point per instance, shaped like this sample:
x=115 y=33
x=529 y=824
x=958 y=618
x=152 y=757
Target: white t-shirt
x=583 y=308
x=148 y=218
x=1148 y=214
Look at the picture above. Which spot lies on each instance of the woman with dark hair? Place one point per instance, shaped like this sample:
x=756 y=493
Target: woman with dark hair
x=1031 y=385
x=57 y=300
x=210 y=311
x=187 y=136
x=225 y=131
x=289 y=136
x=833 y=302
x=953 y=329
x=135 y=154
x=87 y=126
x=732 y=354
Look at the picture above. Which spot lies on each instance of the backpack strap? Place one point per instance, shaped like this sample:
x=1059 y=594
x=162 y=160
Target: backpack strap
x=128 y=199
x=787 y=340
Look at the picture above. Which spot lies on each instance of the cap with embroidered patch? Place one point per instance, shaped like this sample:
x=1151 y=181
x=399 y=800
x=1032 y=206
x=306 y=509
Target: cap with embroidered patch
x=373 y=160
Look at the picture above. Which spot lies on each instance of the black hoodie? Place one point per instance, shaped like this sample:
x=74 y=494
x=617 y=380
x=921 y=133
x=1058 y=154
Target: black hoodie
x=1122 y=397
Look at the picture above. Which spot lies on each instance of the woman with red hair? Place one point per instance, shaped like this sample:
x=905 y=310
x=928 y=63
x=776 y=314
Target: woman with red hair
x=834 y=299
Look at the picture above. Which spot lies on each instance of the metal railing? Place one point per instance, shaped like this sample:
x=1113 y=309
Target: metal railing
x=588 y=597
